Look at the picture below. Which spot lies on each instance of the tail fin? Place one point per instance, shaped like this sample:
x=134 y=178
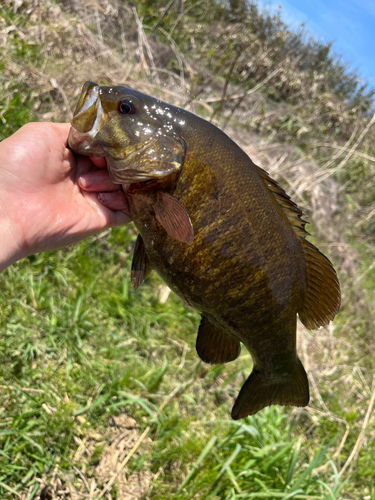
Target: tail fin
x=261 y=390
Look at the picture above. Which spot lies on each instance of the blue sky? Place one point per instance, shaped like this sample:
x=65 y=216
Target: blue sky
x=350 y=24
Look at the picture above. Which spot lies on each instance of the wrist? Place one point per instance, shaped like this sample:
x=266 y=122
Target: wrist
x=10 y=249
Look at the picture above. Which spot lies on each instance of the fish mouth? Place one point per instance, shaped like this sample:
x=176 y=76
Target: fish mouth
x=89 y=117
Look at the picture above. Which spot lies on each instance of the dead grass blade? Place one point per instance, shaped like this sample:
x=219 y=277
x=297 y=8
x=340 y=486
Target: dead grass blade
x=357 y=447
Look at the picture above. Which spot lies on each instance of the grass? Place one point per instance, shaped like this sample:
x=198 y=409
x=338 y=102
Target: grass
x=74 y=355
x=101 y=392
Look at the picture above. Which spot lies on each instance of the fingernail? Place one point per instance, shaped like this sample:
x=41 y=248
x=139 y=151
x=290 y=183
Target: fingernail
x=85 y=181
x=105 y=197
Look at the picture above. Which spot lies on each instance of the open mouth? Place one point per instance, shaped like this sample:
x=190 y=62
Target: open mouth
x=89 y=117
x=88 y=109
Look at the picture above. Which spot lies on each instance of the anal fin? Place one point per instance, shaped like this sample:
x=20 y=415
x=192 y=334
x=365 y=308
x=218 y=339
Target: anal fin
x=290 y=388
x=173 y=217
x=141 y=266
x=214 y=346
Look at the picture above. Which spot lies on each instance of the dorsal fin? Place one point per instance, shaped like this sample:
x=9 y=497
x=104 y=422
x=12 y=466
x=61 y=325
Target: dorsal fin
x=322 y=297
x=290 y=208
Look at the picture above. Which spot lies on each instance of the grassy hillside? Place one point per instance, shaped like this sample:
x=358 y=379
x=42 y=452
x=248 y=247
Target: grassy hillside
x=101 y=392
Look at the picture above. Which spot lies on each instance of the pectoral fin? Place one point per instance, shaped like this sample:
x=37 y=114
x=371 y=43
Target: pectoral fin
x=214 y=346
x=173 y=217
x=141 y=266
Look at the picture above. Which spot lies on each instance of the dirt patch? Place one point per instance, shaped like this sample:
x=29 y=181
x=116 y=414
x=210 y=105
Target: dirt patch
x=99 y=460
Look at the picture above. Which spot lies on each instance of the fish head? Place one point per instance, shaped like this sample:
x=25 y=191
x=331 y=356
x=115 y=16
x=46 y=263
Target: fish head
x=139 y=136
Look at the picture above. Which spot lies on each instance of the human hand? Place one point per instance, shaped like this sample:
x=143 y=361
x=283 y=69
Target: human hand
x=49 y=196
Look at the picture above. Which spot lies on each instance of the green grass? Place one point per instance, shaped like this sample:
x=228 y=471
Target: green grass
x=79 y=347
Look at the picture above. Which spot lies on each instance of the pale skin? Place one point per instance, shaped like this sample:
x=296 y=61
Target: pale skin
x=49 y=197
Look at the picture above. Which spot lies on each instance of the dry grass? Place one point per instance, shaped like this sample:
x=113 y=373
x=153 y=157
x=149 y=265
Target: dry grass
x=106 y=453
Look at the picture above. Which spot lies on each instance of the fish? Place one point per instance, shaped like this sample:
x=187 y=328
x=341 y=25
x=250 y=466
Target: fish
x=220 y=232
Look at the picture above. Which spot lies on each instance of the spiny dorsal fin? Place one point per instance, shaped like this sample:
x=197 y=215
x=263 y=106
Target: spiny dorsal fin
x=214 y=346
x=290 y=208
x=323 y=297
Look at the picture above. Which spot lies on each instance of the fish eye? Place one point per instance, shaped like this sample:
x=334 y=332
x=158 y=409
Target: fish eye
x=126 y=107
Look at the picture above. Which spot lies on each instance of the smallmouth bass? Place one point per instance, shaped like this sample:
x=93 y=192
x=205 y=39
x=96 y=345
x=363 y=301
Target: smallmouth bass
x=220 y=232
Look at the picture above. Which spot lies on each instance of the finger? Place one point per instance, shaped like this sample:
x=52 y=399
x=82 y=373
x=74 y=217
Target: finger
x=97 y=180
x=99 y=162
x=115 y=201
x=105 y=217
x=83 y=166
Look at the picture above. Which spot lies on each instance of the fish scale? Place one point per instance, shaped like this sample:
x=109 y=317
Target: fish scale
x=220 y=232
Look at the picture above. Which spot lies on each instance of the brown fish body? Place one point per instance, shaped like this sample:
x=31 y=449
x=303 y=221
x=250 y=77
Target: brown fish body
x=245 y=268
x=248 y=269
